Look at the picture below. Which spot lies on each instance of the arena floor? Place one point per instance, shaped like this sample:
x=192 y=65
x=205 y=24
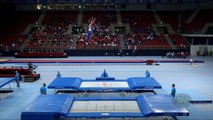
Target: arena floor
x=191 y=80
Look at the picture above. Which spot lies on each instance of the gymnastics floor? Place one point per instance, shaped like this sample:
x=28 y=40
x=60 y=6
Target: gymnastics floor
x=196 y=77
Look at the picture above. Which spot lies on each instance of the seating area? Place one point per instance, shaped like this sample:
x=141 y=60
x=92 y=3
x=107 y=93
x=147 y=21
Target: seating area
x=54 y=42
x=106 y=41
x=145 y=40
x=55 y=35
x=176 y=19
x=104 y=18
x=58 y=22
x=102 y=37
x=139 y=20
x=202 y=17
x=178 y=41
x=11 y=42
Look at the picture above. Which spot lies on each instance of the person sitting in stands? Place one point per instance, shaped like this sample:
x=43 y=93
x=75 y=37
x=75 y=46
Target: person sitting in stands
x=104 y=74
x=147 y=74
x=43 y=89
x=58 y=75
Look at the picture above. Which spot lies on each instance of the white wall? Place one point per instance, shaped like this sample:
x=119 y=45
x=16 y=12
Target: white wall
x=200 y=48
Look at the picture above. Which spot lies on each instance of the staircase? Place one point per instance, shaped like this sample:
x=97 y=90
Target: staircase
x=122 y=42
x=157 y=17
x=30 y=26
x=194 y=14
x=205 y=28
x=166 y=36
x=118 y=16
x=25 y=43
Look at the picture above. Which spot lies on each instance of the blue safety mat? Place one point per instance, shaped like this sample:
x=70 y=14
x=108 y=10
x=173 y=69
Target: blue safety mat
x=5 y=80
x=65 y=82
x=46 y=107
x=135 y=83
x=143 y=83
x=192 y=96
x=160 y=105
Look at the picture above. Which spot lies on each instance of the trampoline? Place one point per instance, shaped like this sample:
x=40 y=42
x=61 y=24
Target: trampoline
x=50 y=107
x=6 y=80
x=105 y=84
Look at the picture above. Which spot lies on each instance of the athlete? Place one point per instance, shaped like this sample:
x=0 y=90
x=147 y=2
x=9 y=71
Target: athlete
x=91 y=22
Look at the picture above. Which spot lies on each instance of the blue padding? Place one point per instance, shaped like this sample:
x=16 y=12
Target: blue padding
x=65 y=82
x=143 y=83
x=105 y=78
x=6 y=80
x=160 y=105
x=47 y=107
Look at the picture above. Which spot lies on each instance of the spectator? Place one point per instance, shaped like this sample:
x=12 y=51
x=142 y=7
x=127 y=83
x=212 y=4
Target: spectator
x=43 y=89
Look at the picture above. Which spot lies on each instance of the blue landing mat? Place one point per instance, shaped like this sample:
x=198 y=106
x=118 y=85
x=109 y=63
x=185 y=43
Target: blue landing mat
x=194 y=96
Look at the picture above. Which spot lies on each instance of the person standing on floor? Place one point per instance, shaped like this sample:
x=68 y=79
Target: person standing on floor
x=173 y=92
x=17 y=77
x=104 y=74
x=147 y=74
x=58 y=75
x=43 y=89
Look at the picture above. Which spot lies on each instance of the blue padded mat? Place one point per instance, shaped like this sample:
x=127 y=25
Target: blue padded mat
x=143 y=83
x=133 y=82
x=46 y=107
x=5 y=80
x=161 y=104
x=65 y=82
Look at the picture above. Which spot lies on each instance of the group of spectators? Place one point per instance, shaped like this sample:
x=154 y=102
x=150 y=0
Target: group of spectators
x=173 y=54
x=138 y=39
x=51 y=41
x=57 y=25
